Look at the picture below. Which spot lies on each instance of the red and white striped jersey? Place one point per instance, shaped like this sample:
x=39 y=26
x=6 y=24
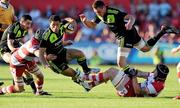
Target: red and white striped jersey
x=124 y=85
x=154 y=87
x=25 y=52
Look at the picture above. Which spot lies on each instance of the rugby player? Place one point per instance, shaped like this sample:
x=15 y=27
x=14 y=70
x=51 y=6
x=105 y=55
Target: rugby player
x=7 y=17
x=53 y=43
x=122 y=24
x=126 y=83
x=22 y=60
x=12 y=39
x=173 y=51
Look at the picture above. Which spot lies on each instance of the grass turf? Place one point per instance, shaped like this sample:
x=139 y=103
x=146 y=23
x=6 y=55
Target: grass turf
x=66 y=94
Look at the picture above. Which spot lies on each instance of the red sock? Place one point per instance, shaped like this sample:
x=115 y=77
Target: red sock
x=8 y=89
x=39 y=85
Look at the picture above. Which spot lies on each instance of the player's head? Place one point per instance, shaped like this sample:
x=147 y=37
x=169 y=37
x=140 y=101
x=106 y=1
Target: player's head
x=38 y=34
x=161 y=72
x=99 y=7
x=26 y=22
x=54 y=23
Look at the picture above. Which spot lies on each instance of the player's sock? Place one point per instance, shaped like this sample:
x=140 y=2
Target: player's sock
x=30 y=81
x=39 y=85
x=8 y=89
x=83 y=63
x=152 y=41
x=94 y=77
x=33 y=86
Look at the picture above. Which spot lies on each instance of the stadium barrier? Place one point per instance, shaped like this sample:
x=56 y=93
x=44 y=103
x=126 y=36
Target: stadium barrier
x=107 y=52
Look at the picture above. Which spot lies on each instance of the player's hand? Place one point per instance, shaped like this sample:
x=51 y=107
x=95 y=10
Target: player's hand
x=128 y=26
x=4 y=26
x=69 y=42
x=46 y=66
x=51 y=57
x=15 y=49
x=131 y=72
x=82 y=17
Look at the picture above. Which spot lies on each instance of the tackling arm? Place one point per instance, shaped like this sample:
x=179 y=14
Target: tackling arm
x=136 y=87
x=41 y=57
x=10 y=44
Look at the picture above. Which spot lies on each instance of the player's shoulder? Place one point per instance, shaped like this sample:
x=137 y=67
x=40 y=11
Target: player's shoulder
x=112 y=10
x=47 y=33
x=14 y=27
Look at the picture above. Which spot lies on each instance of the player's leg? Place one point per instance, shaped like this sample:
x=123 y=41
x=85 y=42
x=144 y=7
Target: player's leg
x=99 y=78
x=81 y=59
x=34 y=69
x=152 y=41
x=28 y=79
x=178 y=72
x=6 y=57
x=122 y=55
x=18 y=81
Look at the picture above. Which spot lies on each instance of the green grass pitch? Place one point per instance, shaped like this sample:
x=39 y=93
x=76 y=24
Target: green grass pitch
x=66 y=94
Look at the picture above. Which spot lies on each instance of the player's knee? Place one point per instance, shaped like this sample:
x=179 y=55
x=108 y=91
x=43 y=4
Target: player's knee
x=121 y=64
x=18 y=89
x=80 y=53
x=111 y=69
x=145 y=49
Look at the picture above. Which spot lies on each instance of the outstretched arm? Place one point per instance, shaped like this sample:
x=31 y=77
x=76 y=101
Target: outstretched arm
x=136 y=86
x=89 y=24
x=42 y=58
x=131 y=20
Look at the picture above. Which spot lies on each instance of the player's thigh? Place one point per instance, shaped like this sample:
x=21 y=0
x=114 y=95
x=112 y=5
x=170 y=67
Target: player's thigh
x=6 y=57
x=122 y=55
x=17 y=77
x=73 y=53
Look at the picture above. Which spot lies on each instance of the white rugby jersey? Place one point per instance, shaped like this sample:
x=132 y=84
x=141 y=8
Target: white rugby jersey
x=25 y=52
x=154 y=87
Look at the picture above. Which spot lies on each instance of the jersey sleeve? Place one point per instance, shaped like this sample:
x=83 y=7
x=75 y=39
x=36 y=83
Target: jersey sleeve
x=155 y=87
x=97 y=20
x=11 y=34
x=121 y=15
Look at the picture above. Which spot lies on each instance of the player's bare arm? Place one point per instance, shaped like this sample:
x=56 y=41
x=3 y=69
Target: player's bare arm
x=131 y=21
x=42 y=58
x=67 y=43
x=10 y=45
x=141 y=74
x=136 y=86
x=48 y=57
x=87 y=23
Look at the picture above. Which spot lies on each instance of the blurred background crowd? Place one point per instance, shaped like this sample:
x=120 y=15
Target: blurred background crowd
x=150 y=15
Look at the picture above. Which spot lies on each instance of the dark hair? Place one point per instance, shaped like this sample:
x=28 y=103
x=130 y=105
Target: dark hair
x=26 y=17
x=98 y=4
x=162 y=72
x=54 y=18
